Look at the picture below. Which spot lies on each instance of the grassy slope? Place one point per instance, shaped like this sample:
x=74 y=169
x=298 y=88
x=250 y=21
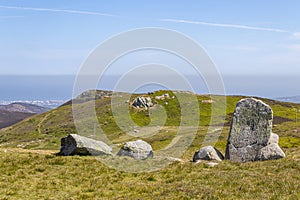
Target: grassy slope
x=37 y=176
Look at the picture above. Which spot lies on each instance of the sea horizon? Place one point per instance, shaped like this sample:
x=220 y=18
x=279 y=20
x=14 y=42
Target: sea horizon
x=60 y=87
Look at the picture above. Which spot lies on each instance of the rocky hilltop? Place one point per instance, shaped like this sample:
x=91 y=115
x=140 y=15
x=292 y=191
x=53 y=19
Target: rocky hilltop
x=16 y=112
x=24 y=107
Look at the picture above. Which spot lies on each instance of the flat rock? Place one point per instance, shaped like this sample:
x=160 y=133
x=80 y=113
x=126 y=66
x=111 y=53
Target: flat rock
x=138 y=149
x=212 y=164
x=75 y=144
x=208 y=153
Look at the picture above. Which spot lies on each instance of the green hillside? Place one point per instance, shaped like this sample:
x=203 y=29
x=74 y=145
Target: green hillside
x=30 y=169
x=45 y=130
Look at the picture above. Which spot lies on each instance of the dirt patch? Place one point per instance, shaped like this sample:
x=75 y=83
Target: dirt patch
x=280 y=120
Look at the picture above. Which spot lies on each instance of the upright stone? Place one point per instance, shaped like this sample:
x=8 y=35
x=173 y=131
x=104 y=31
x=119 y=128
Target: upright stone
x=250 y=132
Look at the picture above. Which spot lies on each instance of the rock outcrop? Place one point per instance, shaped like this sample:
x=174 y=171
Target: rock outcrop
x=75 y=144
x=251 y=137
x=142 y=102
x=138 y=149
x=208 y=153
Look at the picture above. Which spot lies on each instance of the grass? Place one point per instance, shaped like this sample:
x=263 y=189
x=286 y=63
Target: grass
x=33 y=174
x=26 y=175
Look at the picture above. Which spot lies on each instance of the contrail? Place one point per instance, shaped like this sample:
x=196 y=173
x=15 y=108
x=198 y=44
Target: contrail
x=238 y=26
x=8 y=17
x=59 y=10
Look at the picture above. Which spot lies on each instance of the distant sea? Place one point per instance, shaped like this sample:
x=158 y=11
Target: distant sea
x=60 y=87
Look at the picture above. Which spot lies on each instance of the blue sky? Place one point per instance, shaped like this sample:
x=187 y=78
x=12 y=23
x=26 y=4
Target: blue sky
x=242 y=37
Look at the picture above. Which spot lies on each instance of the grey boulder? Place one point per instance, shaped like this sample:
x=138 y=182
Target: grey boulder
x=270 y=152
x=142 y=102
x=208 y=153
x=75 y=144
x=251 y=133
x=139 y=150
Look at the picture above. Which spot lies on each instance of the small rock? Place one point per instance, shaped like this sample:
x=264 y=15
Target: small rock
x=167 y=96
x=162 y=97
x=208 y=153
x=274 y=139
x=138 y=149
x=212 y=164
x=270 y=152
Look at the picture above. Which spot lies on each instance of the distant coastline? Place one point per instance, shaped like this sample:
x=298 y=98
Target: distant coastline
x=60 y=87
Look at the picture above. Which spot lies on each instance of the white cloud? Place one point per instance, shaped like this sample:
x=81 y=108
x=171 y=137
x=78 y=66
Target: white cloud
x=58 y=11
x=296 y=35
x=237 y=26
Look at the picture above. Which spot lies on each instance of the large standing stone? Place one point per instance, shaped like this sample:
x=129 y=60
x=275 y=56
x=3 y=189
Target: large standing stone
x=251 y=131
x=208 y=153
x=75 y=144
x=138 y=149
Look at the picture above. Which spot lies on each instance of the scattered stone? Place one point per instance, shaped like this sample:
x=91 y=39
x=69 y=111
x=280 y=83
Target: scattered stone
x=138 y=149
x=208 y=153
x=209 y=101
x=142 y=102
x=75 y=144
x=212 y=164
x=270 y=152
x=162 y=97
x=251 y=133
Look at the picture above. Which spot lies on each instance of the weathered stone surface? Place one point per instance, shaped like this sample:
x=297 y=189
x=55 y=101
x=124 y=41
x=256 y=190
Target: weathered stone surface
x=274 y=139
x=138 y=149
x=208 y=153
x=75 y=144
x=251 y=130
x=270 y=152
x=142 y=102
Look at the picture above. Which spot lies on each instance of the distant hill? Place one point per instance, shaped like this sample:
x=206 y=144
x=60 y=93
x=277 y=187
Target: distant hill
x=43 y=103
x=294 y=99
x=16 y=112
x=8 y=118
x=24 y=107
